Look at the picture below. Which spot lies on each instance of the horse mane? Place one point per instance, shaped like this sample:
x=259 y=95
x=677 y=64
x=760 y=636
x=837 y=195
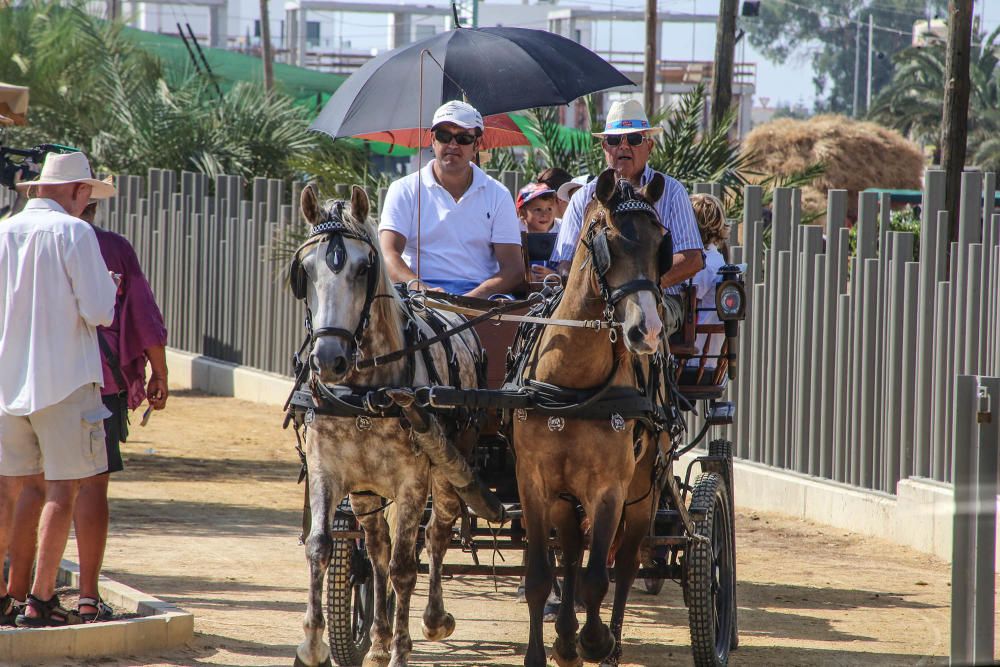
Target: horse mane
x=387 y=306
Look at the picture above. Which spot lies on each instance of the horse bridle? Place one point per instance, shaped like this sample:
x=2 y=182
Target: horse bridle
x=334 y=230
x=596 y=242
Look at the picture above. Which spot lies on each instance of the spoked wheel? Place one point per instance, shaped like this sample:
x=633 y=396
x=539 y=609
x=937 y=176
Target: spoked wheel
x=710 y=575
x=350 y=595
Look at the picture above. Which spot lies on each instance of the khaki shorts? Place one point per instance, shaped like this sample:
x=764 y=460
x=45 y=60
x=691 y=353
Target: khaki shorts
x=65 y=440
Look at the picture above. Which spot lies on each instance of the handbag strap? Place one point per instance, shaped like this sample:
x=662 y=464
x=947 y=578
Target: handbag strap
x=113 y=364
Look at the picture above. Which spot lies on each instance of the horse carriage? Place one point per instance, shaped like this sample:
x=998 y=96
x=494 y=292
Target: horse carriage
x=477 y=394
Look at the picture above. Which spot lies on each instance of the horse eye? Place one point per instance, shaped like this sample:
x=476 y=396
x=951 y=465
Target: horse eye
x=362 y=270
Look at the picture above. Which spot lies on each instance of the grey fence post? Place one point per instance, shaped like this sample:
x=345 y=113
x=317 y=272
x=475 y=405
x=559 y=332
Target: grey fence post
x=975 y=439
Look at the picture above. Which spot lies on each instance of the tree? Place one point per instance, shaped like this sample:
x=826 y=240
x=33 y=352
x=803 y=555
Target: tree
x=95 y=89
x=827 y=31
x=913 y=101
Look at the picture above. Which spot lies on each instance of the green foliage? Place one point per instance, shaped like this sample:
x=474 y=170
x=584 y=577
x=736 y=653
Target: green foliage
x=913 y=101
x=93 y=88
x=900 y=220
x=826 y=32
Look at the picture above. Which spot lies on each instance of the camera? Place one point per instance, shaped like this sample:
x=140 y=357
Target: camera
x=29 y=164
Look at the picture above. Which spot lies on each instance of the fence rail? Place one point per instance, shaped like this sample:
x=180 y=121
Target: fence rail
x=848 y=358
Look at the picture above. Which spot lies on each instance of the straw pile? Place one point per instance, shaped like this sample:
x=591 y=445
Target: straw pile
x=857 y=155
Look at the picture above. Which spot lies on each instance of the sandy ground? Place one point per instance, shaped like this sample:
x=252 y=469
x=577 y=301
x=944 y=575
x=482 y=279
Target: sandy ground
x=207 y=515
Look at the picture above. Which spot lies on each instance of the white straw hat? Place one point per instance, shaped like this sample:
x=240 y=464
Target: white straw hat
x=626 y=117
x=63 y=168
x=566 y=190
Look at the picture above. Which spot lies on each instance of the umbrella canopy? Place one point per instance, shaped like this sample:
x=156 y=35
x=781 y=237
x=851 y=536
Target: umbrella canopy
x=499 y=131
x=495 y=69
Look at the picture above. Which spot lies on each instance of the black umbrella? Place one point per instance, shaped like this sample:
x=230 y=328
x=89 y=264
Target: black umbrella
x=496 y=69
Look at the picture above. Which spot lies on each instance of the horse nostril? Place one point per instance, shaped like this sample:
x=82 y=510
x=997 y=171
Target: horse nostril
x=313 y=363
x=340 y=365
x=637 y=333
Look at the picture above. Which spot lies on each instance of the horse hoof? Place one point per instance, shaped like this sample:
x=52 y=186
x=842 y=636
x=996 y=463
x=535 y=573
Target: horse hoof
x=596 y=651
x=441 y=632
x=564 y=653
x=298 y=663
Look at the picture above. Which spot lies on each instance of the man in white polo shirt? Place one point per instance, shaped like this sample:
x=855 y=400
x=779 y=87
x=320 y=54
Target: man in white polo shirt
x=469 y=234
x=56 y=291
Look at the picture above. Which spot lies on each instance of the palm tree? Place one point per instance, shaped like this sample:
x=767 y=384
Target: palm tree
x=913 y=101
x=94 y=88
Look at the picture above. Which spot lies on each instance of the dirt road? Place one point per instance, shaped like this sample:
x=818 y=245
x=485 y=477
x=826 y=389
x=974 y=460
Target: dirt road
x=207 y=514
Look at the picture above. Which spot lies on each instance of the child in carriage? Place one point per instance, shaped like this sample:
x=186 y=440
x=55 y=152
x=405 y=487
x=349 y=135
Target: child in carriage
x=537 y=207
x=711 y=217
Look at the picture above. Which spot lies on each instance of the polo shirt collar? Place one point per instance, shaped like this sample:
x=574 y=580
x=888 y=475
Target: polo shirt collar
x=41 y=203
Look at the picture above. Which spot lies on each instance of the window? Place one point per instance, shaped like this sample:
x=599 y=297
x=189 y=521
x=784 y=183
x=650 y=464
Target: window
x=312 y=33
x=256 y=27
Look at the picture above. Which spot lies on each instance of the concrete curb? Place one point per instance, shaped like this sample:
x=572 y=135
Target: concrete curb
x=194 y=371
x=161 y=625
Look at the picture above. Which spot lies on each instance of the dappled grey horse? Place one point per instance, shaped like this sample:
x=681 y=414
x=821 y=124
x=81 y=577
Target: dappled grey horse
x=401 y=452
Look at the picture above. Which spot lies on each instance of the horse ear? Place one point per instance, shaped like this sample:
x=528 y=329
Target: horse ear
x=359 y=203
x=654 y=189
x=606 y=186
x=309 y=202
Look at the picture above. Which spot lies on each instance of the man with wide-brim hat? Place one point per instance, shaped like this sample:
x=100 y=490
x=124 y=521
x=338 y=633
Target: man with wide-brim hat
x=57 y=290
x=627 y=140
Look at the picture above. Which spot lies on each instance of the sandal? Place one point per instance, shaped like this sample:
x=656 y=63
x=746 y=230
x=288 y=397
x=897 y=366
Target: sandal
x=9 y=609
x=104 y=611
x=50 y=614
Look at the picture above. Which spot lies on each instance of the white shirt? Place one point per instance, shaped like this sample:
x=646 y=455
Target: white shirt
x=456 y=237
x=674 y=209
x=705 y=283
x=56 y=290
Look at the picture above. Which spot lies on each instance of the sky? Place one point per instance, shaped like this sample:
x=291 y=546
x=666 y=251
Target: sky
x=787 y=84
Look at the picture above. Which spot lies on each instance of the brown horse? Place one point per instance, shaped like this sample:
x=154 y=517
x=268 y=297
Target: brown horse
x=355 y=313
x=595 y=463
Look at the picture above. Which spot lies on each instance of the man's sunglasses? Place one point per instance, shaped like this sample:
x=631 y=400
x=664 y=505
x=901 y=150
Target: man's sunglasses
x=461 y=138
x=633 y=138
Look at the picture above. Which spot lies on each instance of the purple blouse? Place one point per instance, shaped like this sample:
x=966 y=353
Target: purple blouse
x=138 y=323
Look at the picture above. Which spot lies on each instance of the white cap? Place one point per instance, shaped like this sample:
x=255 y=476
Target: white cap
x=459 y=113
x=63 y=168
x=566 y=190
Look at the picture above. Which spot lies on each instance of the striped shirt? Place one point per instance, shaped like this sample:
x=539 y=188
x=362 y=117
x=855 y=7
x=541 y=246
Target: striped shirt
x=674 y=208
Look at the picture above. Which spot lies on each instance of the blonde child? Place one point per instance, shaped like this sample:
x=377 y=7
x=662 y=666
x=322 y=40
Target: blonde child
x=711 y=217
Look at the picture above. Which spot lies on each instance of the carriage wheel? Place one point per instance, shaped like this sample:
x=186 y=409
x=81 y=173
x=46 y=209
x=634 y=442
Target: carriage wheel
x=724 y=448
x=710 y=576
x=350 y=596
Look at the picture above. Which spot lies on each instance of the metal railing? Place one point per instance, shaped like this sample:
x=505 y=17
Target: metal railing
x=847 y=360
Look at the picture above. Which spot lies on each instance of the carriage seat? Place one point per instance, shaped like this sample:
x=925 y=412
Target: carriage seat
x=697 y=381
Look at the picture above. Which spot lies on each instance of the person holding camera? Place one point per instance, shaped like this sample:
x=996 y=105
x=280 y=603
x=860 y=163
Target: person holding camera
x=56 y=291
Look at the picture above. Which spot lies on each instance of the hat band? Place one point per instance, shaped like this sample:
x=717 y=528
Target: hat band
x=637 y=124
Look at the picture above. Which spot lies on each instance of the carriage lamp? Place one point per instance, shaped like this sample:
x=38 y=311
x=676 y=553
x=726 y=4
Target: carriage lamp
x=730 y=305
x=730 y=301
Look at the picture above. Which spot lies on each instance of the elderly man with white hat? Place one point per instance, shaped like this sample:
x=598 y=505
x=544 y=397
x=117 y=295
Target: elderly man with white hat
x=467 y=238
x=627 y=140
x=57 y=290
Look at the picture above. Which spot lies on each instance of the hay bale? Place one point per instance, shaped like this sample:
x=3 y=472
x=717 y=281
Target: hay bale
x=857 y=155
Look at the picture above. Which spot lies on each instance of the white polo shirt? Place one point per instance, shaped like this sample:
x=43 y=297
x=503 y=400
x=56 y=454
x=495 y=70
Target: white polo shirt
x=56 y=291
x=456 y=237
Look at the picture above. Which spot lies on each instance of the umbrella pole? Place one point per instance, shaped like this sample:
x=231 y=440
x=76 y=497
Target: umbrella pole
x=420 y=156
